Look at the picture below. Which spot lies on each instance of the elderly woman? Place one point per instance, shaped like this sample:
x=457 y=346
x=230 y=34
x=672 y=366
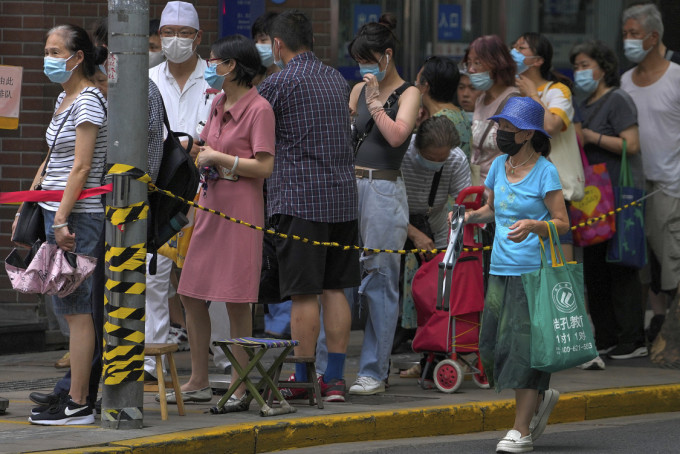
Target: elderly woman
x=524 y=192
x=76 y=137
x=609 y=118
x=492 y=70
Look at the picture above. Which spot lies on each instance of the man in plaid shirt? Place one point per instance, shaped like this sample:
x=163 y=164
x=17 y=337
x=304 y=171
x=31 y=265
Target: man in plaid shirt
x=312 y=193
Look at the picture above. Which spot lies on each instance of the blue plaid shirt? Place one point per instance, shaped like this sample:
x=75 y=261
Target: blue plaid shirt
x=313 y=175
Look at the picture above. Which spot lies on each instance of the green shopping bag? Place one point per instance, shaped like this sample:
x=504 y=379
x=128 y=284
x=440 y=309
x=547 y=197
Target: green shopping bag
x=561 y=336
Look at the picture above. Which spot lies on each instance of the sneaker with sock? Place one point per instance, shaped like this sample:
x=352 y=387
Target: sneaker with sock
x=334 y=390
x=64 y=414
x=366 y=386
x=628 y=351
x=515 y=442
x=293 y=393
x=540 y=419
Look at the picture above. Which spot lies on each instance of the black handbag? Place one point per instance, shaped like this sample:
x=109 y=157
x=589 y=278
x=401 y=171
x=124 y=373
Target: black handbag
x=422 y=221
x=31 y=224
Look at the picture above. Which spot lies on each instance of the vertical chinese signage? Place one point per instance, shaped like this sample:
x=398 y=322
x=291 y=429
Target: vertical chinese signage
x=449 y=24
x=10 y=96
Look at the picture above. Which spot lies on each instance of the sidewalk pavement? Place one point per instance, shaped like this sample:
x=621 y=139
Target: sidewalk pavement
x=626 y=387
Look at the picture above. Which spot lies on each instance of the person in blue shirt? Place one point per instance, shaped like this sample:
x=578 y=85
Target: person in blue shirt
x=524 y=191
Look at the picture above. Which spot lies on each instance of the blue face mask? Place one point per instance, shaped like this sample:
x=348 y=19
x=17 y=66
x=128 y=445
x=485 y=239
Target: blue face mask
x=634 y=50
x=55 y=69
x=266 y=54
x=427 y=164
x=102 y=68
x=481 y=81
x=374 y=68
x=519 y=60
x=584 y=81
x=214 y=80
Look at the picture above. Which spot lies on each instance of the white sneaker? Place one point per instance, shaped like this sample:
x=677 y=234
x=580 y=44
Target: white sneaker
x=540 y=419
x=594 y=364
x=367 y=386
x=515 y=442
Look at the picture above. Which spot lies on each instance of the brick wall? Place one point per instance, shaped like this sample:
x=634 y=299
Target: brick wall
x=22 y=29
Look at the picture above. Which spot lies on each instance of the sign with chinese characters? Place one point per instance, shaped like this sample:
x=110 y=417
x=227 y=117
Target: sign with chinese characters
x=570 y=335
x=449 y=23
x=10 y=96
x=237 y=16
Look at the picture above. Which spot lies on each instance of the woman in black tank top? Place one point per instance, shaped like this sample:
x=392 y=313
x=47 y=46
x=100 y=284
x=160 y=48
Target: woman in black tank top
x=384 y=108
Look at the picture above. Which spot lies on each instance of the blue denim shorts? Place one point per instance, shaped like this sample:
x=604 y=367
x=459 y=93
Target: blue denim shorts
x=87 y=228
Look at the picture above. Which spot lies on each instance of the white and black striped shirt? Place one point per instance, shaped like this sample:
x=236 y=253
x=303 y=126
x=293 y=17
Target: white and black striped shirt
x=89 y=106
x=418 y=181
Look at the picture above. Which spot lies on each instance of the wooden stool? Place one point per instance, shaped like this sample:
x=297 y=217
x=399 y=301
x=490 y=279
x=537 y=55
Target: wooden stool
x=312 y=382
x=157 y=351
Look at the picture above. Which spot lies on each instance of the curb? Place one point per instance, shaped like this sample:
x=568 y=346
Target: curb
x=385 y=425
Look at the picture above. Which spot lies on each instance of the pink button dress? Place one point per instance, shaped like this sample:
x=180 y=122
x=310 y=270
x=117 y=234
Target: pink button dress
x=224 y=258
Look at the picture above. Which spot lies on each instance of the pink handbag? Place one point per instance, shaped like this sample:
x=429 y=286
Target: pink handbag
x=598 y=200
x=48 y=269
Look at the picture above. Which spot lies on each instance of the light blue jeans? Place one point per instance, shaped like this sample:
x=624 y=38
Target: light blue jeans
x=383 y=223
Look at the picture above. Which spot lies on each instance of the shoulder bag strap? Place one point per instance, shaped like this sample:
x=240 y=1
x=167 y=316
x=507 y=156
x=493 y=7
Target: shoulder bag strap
x=498 y=111
x=393 y=98
x=54 y=142
x=433 y=189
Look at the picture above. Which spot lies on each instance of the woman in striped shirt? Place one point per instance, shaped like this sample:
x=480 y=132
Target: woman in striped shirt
x=76 y=137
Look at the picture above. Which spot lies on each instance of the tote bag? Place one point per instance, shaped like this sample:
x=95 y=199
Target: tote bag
x=565 y=155
x=561 y=337
x=628 y=246
x=597 y=201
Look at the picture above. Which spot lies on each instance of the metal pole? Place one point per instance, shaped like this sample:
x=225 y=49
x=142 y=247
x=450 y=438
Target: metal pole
x=128 y=66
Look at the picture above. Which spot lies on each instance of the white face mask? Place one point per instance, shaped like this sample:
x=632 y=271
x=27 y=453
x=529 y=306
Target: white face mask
x=155 y=58
x=176 y=49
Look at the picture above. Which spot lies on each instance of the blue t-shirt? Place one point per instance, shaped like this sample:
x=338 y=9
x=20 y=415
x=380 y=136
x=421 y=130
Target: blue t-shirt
x=516 y=201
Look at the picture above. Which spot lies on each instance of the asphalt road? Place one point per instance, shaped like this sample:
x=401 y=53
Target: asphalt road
x=648 y=434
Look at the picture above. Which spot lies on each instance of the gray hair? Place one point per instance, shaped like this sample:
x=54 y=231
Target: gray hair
x=437 y=131
x=648 y=15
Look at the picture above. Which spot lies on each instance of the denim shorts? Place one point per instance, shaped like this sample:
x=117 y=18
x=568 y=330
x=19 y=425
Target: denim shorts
x=88 y=228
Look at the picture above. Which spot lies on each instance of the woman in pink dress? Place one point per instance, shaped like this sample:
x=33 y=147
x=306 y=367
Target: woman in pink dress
x=224 y=258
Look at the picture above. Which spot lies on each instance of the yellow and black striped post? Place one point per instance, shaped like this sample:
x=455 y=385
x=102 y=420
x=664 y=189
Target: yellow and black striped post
x=126 y=212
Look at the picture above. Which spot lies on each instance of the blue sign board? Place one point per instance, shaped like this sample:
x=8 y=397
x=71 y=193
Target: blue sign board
x=237 y=16
x=364 y=14
x=449 y=19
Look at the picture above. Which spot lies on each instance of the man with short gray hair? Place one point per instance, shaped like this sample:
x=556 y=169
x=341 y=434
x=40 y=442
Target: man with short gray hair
x=654 y=85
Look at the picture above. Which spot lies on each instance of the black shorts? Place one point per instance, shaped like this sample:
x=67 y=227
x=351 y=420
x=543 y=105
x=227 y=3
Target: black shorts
x=305 y=269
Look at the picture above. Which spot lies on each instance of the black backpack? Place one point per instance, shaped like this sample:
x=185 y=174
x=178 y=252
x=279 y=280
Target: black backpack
x=179 y=175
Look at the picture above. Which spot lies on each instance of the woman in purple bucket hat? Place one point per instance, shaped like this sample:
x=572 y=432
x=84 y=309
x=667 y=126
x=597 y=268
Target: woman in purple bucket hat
x=524 y=192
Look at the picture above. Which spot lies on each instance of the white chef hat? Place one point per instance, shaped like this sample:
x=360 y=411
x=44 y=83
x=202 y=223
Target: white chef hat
x=180 y=13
